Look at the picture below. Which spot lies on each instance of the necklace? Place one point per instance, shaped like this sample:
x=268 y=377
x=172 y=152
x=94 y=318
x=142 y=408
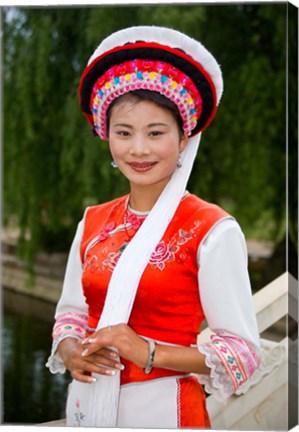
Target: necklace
x=133 y=219
x=136 y=212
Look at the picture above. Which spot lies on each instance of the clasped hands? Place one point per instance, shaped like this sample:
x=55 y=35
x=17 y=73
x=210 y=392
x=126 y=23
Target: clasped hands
x=101 y=353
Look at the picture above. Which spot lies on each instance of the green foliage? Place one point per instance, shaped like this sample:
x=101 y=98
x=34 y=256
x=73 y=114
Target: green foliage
x=245 y=147
x=54 y=166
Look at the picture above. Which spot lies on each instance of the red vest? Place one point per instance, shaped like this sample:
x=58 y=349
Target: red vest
x=167 y=304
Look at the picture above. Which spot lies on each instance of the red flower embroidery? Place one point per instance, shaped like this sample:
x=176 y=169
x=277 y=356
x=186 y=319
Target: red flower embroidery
x=160 y=255
x=112 y=260
x=184 y=237
x=134 y=221
x=91 y=264
x=104 y=234
x=79 y=416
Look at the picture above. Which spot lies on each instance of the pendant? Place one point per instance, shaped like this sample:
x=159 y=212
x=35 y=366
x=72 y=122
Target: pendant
x=123 y=247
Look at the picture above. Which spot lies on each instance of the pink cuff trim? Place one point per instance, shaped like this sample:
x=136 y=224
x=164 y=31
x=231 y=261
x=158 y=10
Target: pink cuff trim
x=232 y=361
x=71 y=324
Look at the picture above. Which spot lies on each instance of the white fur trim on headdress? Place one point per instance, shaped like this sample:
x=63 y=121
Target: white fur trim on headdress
x=170 y=37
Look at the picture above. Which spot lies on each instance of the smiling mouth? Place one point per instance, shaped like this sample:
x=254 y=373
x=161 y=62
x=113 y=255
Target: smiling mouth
x=142 y=166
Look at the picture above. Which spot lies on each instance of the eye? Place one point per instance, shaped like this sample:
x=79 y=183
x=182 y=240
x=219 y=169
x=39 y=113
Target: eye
x=156 y=133
x=123 y=133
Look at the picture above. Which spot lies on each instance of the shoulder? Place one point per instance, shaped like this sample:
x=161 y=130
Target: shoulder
x=195 y=207
x=196 y=217
x=99 y=216
x=224 y=239
x=107 y=206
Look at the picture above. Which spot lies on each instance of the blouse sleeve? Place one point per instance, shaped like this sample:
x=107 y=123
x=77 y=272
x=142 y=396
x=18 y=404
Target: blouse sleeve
x=71 y=311
x=233 y=352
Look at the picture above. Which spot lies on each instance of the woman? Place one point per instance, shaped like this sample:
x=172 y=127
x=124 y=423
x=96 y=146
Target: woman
x=146 y=269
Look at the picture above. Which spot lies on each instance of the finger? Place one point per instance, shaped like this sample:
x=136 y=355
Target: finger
x=100 y=360
x=92 y=338
x=109 y=353
x=99 y=364
x=105 y=352
x=97 y=345
x=91 y=348
x=104 y=361
x=80 y=376
x=100 y=370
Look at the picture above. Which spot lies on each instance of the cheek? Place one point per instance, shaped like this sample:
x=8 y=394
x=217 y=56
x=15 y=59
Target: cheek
x=115 y=149
x=169 y=149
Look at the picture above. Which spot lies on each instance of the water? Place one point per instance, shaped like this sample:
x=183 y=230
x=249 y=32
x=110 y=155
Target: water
x=30 y=393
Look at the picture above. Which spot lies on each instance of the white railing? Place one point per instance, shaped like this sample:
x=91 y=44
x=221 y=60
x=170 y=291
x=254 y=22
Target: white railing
x=262 y=404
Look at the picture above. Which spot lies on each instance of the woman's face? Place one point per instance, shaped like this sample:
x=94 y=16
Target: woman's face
x=145 y=142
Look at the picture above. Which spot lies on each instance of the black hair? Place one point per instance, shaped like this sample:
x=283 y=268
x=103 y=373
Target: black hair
x=136 y=96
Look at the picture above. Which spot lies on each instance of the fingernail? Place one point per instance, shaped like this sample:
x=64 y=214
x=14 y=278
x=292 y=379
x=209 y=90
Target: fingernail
x=84 y=353
x=110 y=372
x=92 y=380
x=119 y=366
x=113 y=354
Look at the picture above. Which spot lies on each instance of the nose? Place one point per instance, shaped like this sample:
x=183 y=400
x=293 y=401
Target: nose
x=139 y=146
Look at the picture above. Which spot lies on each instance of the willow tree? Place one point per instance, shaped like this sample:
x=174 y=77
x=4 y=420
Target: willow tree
x=54 y=166
x=40 y=68
x=52 y=163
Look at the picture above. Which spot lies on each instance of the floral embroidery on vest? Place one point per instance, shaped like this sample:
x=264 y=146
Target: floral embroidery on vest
x=162 y=254
x=165 y=252
x=168 y=252
x=104 y=234
x=184 y=236
x=112 y=260
x=91 y=264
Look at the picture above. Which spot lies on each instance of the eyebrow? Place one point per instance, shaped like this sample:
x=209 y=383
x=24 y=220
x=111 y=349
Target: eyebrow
x=131 y=127
x=122 y=125
x=157 y=124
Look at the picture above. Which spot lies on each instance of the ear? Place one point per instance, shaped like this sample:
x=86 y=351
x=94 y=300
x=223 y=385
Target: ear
x=183 y=142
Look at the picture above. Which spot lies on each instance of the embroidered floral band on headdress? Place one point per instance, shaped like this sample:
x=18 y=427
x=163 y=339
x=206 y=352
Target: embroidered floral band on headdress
x=148 y=66
x=146 y=75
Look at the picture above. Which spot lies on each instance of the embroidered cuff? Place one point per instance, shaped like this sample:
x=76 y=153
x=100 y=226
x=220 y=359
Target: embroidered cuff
x=232 y=361
x=70 y=324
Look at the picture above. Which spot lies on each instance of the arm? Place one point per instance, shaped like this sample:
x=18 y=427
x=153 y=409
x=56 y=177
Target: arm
x=71 y=310
x=132 y=347
x=226 y=298
x=70 y=322
x=233 y=352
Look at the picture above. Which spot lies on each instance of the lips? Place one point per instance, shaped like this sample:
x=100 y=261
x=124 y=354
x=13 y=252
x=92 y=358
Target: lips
x=142 y=166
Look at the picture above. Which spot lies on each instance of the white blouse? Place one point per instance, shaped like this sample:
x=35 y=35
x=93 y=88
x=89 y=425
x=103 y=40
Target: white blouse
x=233 y=352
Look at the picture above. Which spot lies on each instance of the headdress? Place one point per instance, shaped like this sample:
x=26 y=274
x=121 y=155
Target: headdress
x=153 y=58
x=180 y=68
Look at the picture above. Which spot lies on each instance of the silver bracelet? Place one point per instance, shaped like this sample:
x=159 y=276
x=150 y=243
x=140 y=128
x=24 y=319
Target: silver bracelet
x=150 y=361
